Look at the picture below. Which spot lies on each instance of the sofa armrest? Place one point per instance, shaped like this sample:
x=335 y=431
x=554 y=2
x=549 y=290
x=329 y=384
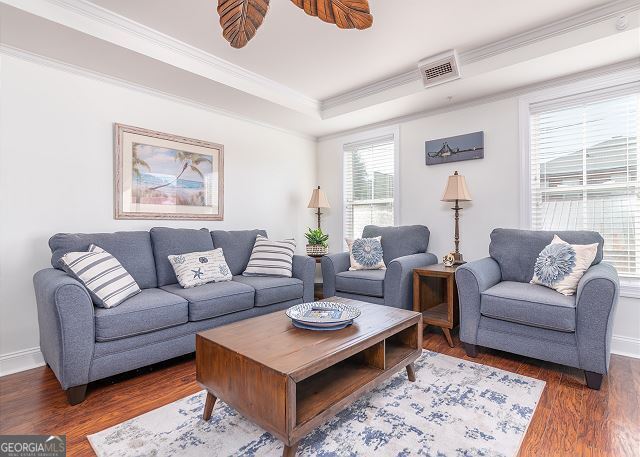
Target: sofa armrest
x=472 y=279
x=333 y=264
x=596 y=300
x=304 y=268
x=66 y=322
x=398 y=282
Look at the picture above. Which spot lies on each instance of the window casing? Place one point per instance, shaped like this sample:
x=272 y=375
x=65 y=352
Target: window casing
x=583 y=170
x=369 y=172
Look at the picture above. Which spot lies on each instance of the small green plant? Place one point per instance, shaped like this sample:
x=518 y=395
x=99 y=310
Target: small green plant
x=316 y=237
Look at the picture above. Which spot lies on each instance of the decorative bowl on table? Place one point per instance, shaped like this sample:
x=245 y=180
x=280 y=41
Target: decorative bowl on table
x=322 y=315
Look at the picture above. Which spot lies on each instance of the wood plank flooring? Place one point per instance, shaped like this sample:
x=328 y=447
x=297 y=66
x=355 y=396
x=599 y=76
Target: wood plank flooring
x=571 y=420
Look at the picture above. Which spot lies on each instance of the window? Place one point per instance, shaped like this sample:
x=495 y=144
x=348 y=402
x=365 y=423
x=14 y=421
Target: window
x=583 y=163
x=369 y=170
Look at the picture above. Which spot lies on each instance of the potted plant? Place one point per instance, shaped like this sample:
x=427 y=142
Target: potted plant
x=316 y=242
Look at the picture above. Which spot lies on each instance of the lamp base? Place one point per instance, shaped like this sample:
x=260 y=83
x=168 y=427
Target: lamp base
x=458 y=259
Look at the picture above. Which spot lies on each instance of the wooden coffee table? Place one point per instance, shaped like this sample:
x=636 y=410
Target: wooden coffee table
x=289 y=381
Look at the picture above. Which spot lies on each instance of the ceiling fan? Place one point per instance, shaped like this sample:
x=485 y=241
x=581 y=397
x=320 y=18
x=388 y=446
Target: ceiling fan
x=241 y=18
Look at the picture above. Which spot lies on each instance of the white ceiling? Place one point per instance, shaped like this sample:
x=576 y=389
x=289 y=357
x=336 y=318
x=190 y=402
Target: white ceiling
x=320 y=60
x=309 y=77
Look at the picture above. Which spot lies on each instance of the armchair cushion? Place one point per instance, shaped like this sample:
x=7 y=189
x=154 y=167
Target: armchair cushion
x=151 y=309
x=361 y=282
x=516 y=251
x=529 y=304
x=400 y=241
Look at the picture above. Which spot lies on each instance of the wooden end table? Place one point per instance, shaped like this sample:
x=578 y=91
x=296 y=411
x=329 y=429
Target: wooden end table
x=435 y=295
x=289 y=380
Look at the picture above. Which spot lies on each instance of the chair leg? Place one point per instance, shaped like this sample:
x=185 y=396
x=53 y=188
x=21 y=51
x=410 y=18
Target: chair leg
x=470 y=349
x=76 y=395
x=594 y=380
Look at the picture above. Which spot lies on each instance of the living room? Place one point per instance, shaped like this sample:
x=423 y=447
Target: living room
x=441 y=160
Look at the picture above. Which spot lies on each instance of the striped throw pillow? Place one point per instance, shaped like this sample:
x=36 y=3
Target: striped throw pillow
x=108 y=283
x=271 y=258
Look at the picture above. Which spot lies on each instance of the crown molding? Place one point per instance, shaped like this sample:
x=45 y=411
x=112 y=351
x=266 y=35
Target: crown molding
x=560 y=27
x=74 y=69
x=105 y=24
x=629 y=67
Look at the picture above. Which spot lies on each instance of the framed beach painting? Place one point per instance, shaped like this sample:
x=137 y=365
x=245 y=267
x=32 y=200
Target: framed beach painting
x=164 y=176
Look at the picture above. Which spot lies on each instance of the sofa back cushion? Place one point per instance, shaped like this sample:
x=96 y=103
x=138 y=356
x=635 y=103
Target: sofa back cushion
x=171 y=241
x=399 y=241
x=132 y=249
x=516 y=251
x=236 y=246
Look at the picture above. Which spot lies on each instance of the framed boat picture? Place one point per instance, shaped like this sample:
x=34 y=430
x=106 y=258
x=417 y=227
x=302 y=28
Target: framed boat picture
x=164 y=176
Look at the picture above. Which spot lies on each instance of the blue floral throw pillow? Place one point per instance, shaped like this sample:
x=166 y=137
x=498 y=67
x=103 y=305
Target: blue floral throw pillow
x=366 y=254
x=561 y=265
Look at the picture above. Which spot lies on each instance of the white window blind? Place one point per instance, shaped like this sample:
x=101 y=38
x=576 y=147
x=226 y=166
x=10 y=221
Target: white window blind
x=368 y=184
x=584 y=170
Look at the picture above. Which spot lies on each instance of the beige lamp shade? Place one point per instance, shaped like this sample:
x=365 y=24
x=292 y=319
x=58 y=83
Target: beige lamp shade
x=318 y=199
x=456 y=189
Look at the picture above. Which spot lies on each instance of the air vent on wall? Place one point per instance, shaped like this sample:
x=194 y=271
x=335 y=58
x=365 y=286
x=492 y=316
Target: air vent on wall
x=439 y=69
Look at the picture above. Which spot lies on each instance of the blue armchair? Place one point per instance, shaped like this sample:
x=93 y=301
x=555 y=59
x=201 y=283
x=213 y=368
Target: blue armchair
x=405 y=248
x=500 y=309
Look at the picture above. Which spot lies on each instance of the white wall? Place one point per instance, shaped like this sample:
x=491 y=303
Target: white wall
x=56 y=161
x=494 y=183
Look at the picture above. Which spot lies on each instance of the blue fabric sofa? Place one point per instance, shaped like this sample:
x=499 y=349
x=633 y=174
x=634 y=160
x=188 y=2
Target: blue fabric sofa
x=83 y=343
x=404 y=248
x=500 y=309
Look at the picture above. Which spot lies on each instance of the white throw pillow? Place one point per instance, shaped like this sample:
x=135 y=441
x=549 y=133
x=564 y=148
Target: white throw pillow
x=366 y=254
x=271 y=258
x=108 y=283
x=198 y=268
x=561 y=265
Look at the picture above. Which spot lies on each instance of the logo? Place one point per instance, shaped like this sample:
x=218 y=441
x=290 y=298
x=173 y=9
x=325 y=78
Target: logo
x=33 y=445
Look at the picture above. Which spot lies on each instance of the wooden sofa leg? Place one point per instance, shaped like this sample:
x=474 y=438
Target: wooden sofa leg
x=594 y=380
x=76 y=395
x=470 y=349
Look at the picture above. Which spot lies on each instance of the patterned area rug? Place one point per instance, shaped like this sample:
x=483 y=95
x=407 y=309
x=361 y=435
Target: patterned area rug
x=455 y=408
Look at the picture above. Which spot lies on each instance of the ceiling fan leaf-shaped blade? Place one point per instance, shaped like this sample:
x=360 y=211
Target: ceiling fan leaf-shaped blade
x=346 y=14
x=240 y=19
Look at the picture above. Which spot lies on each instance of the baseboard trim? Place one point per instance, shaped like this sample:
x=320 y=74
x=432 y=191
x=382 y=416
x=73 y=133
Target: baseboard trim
x=626 y=346
x=23 y=360
x=15 y=362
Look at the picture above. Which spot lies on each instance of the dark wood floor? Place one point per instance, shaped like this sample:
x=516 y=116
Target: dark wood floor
x=571 y=420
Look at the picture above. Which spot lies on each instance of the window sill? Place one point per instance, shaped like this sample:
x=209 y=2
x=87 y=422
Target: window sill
x=630 y=287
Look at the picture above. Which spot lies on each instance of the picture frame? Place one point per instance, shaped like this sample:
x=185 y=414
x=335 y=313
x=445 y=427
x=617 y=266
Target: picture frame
x=164 y=176
x=457 y=148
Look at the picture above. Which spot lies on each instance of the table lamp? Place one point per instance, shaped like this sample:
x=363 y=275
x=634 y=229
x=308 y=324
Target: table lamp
x=318 y=201
x=456 y=191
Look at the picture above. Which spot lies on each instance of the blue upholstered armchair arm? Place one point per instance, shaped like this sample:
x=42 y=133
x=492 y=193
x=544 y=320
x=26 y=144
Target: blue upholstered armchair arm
x=596 y=300
x=333 y=264
x=472 y=279
x=398 y=282
x=65 y=317
x=304 y=268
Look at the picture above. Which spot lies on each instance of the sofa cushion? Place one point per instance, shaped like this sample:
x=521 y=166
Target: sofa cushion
x=237 y=246
x=170 y=241
x=529 y=304
x=132 y=249
x=361 y=282
x=270 y=290
x=399 y=241
x=516 y=251
x=214 y=299
x=151 y=309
